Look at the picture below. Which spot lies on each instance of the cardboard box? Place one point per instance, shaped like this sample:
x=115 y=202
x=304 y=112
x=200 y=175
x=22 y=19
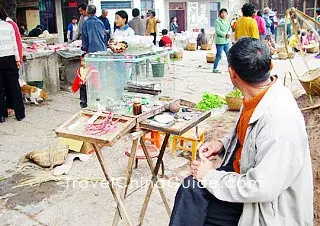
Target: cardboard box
x=77 y=146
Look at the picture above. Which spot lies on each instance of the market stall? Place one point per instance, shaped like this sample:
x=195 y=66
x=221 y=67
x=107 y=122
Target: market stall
x=114 y=112
x=46 y=63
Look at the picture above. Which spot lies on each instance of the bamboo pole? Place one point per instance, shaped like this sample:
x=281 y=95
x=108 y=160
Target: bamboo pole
x=309 y=108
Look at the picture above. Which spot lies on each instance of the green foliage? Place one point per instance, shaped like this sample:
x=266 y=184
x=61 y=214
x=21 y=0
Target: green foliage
x=235 y=93
x=210 y=101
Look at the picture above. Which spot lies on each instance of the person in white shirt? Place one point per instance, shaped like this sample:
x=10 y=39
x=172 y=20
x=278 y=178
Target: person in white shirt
x=9 y=65
x=121 y=21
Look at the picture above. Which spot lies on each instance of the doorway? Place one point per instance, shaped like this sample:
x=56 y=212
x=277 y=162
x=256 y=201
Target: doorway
x=178 y=10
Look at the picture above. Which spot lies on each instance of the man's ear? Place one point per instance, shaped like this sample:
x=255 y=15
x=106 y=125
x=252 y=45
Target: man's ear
x=232 y=73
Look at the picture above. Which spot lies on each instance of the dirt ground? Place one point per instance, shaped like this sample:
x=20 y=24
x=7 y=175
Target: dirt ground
x=312 y=118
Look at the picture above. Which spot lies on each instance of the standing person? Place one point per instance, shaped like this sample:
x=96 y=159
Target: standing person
x=20 y=50
x=261 y=25
x=202 y=38
x=72 y=30
x=267 y=19
x=246 y=26
x=93 y=40
x=318 y=19
x=9 y=66
x=265 y=178
x=223 y=33
x=174 y=25
x=93 y=33
x=152 y=22
x=137 y=24
x=121 y=21
x=83 y=16
x=144 y=22
x=275 y=24
x=80 y=82
x=106 y=24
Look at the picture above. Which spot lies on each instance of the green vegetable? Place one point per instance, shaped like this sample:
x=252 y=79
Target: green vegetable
x=235 y=93
x=210 y=101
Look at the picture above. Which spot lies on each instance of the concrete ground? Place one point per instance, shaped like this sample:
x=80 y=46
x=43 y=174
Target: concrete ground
x=66 y=201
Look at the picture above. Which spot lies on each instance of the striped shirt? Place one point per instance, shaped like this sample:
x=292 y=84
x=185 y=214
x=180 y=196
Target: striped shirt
x=8 y=44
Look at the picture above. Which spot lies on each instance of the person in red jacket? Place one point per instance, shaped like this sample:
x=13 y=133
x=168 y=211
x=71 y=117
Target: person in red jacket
x=165 y=40
x=84 y=74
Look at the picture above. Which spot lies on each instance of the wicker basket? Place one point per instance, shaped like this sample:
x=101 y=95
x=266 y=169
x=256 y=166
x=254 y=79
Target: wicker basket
x=311 y=81
x=234 y=103
x=206 y=46
x=191 y=46
x=210 y=57
x=285 y=56
x=50 y=157
x=178 y=55
x=313 y=49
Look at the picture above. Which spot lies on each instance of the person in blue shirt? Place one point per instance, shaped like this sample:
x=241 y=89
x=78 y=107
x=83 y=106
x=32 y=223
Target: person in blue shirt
x=72 y=30
x=106 y=23
x=93 y=33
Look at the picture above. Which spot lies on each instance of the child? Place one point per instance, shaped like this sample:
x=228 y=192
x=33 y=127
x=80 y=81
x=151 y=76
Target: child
x=72 y=30
x=312 y=38
x=165 y=40
x=293 y=42
x=80 y=82
x=304 y=40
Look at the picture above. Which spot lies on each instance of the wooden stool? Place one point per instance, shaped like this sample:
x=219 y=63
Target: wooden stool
x=154 y=138
x=153 y=151
x=195 y=136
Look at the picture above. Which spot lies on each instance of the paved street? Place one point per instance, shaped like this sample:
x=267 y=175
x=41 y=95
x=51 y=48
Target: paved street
x=68 y=202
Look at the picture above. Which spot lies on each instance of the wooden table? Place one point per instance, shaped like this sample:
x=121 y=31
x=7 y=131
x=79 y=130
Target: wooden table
x=74 y=129
x=176 y=129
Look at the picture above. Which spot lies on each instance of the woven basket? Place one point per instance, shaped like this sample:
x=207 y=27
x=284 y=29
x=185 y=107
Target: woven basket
x=282 y=56
x=210 y=57
x=206 y=47
x=177 y=55
x=313 y=49
x=311 y=81
x=234 y=103
x=191 y=46
x=50 y=157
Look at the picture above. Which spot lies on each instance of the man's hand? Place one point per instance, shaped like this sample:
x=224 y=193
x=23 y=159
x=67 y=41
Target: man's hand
x=201 y=168
x=18 y=64
x=108 y=31
x=210 y=149
x=227 y=35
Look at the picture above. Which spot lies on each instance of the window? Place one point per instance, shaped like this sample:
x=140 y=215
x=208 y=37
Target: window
x=47 y=11
x=115 y=4
x=146 y=5
x=214 y=12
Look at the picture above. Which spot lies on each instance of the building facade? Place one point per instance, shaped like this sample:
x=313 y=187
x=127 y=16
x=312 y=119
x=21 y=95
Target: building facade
x=191 y=14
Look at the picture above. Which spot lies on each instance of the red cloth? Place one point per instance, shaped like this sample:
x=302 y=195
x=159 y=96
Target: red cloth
x=167 y=42
x=18 y=37
x=92 y=74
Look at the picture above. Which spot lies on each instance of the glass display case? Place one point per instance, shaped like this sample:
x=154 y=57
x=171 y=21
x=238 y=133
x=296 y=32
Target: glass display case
x=108 y=74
